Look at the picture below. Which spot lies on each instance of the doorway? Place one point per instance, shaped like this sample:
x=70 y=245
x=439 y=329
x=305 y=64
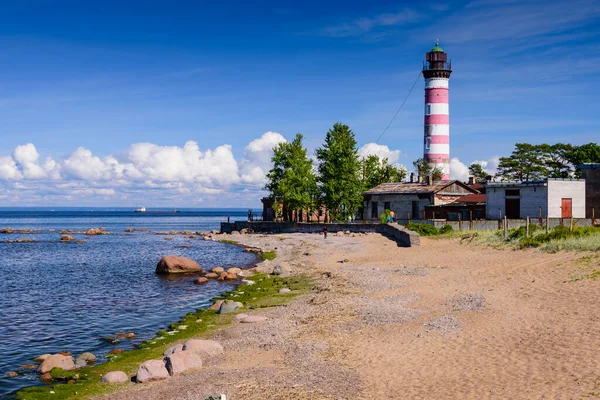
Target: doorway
x=567 y=208
x=513 y=208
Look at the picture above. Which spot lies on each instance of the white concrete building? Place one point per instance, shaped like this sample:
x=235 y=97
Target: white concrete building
x=555 y=198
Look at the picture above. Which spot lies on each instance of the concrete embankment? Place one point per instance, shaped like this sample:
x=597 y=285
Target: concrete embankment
x=401 y=235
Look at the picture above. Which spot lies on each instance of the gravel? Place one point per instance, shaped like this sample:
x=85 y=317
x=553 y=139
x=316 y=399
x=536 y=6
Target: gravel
x=467 y=302
x=388 y=310
x=444 y=324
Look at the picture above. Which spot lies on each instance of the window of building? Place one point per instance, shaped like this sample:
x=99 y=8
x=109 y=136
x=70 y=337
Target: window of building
x=427 y=109
x=374 y=213
x=386 y=205
x=427 y=143
x=415 y=209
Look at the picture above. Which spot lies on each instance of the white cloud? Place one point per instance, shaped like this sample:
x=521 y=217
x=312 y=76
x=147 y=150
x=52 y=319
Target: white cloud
x=8 y=169
x=257 y=157
x=27 y=157
x=381 y=151
x=142 y=174
x=460 y=171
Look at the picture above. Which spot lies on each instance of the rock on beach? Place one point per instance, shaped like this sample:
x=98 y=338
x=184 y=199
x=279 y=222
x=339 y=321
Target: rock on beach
x=173 y=349
x=201 y=281
x=152 y=370
x=67 y=363
x=203 y=347
x=114 y=377
x=182 y=361
x=176 y=265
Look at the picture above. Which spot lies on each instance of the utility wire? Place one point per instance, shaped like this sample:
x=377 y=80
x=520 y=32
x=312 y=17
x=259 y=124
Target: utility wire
x=400 y=108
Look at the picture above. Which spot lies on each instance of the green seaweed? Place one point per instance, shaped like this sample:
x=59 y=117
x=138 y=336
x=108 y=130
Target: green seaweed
x=201 y=323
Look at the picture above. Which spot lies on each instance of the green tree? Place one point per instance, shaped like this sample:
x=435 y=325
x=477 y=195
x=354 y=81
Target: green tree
x=339 y=176
x=524 y=164
x=376 y=171
x=477 y=172
x=555 y=159
x=291 y=180
x=436 y=174
x=423 y=168
x=586 y=153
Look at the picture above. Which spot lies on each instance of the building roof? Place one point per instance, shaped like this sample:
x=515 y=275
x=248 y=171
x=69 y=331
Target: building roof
x=475 y=198
x=543 y=182
x=414 y=188
x=589 y=165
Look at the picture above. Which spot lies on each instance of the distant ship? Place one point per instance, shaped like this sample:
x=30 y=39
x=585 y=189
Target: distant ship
x=141 y=209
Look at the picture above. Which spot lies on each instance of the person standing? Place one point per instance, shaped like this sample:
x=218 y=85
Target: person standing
x=325 y=233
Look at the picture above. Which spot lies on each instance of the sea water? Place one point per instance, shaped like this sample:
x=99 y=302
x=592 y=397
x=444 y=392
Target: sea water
x=58 y=296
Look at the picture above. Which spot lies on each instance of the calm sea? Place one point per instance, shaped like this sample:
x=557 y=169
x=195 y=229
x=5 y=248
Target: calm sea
x=64 y=296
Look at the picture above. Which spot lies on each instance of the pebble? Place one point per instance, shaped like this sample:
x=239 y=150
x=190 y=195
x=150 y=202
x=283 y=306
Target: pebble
x=284 y=290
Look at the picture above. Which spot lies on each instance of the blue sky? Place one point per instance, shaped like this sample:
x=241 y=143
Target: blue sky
x=111 y=92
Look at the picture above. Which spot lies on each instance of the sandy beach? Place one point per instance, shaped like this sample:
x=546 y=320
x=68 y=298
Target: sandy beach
x=439 y=321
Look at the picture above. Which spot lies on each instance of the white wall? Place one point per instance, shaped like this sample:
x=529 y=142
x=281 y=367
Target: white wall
x=566 y=189
x=532 y=197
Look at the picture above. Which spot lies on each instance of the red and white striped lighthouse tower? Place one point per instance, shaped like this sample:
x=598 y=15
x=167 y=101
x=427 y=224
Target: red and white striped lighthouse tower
x=436 y=71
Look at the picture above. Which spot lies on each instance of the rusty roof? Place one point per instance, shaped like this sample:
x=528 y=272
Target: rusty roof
x=475 y=198
x=413 y=188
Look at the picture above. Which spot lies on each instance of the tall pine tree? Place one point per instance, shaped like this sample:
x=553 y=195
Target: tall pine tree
x=339 y=172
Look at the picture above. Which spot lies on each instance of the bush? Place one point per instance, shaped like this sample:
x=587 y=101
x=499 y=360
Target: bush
x=446 y=229
x=383 y=218
x=423 y=229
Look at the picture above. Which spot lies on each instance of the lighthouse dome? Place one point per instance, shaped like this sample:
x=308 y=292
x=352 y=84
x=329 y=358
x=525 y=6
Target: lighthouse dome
x=437 y=48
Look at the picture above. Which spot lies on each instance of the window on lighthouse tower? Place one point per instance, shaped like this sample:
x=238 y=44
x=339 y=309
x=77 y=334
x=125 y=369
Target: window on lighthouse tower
x=428 y=143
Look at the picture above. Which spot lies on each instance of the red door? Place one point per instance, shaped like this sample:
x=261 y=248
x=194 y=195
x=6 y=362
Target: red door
x=567 y=208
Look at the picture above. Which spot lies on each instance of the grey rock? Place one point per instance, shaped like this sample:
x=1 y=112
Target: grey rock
x=228 y=306
x=173 y=349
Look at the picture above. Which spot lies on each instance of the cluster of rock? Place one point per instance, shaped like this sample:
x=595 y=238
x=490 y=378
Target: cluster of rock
x=62 y=360
x=275 y=267
x=177 y=359
x=172 y=264
x=9 y=230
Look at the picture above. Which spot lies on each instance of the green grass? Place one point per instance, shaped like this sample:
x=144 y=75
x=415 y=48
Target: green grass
x=228 y=241
x=559 y=238
x=268 y=255
x=200 y=324
x=429 y=230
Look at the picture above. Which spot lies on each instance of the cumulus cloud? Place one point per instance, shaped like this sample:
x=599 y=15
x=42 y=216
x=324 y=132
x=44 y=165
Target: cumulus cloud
x=459 y=170
x=9 y=169
x=381 y=151
x=143 y=171
x=257 y=157
x=27 y=157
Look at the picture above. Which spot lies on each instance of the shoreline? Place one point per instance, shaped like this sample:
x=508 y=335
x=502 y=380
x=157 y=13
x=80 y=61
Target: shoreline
x=443 y=320
x=161 y=334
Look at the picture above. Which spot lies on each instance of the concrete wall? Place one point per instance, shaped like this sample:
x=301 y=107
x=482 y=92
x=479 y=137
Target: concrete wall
x=532 y=198
x=559 y=189
x=396 y=232
x=401 y=205
x=591 y=174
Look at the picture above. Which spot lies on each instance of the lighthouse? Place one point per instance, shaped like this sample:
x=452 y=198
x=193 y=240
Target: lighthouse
x=436 y=146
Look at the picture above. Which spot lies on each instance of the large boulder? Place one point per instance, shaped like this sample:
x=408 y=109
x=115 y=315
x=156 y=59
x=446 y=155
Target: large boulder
x=203 y=347
x=88 y=357
x=234 y=270
x=66 y=363
x=114 y=377
x=228 y=306
x=177 y=265
x=173 y=349
x=152 y=370
x=182 y=361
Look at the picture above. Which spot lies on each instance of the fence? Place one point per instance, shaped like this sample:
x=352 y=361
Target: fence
x=483 y=224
